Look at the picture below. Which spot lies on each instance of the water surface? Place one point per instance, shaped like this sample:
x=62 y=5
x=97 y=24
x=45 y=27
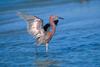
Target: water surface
x=76 y=42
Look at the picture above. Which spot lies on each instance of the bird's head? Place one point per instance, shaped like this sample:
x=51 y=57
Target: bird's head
x=56 y=19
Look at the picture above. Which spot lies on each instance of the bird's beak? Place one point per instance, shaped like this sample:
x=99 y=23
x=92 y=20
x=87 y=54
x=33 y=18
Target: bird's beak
x=61 y=18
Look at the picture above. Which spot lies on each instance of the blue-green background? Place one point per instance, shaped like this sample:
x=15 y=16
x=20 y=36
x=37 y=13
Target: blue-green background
x=76 y=42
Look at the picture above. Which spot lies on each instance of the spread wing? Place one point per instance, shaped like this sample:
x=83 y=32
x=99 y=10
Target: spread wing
x=34 y=25
x=28 y=18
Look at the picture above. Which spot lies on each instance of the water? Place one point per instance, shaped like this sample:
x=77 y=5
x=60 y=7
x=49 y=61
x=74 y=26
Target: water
x=76 y=42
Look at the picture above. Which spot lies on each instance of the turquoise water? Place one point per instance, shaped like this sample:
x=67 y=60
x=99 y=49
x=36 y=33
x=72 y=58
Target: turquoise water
x=76 y=42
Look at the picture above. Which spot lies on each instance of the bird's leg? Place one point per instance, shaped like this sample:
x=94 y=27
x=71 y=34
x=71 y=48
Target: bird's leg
x=36 y=48
x=46 y=47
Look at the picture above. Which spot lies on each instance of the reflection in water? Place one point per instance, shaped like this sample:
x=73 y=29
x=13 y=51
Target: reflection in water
x=45 y=61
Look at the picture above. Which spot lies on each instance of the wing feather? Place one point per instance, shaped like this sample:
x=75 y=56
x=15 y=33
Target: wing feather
x=28 y=18
x=34 y=25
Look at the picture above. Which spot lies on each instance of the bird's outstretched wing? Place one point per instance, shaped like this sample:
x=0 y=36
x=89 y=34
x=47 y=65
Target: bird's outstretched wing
x=34 y=26
x=28 y=18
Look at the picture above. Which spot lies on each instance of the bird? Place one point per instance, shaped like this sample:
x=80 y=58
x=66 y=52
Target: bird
x=42 y=33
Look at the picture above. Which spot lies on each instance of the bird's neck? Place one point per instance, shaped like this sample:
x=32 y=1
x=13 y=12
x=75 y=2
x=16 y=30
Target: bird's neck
x=52 y=26
x=51 y=33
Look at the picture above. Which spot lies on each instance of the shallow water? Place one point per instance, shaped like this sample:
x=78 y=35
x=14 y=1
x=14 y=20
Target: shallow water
x=76 y=42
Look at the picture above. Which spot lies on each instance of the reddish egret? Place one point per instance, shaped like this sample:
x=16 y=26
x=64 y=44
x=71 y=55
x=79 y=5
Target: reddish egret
x=35 y=27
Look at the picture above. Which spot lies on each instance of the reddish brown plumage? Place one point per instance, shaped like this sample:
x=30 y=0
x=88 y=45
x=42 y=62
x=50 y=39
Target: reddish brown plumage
x=35 y=28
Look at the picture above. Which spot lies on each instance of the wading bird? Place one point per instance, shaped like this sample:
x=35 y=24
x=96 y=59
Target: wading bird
x=41 y=32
